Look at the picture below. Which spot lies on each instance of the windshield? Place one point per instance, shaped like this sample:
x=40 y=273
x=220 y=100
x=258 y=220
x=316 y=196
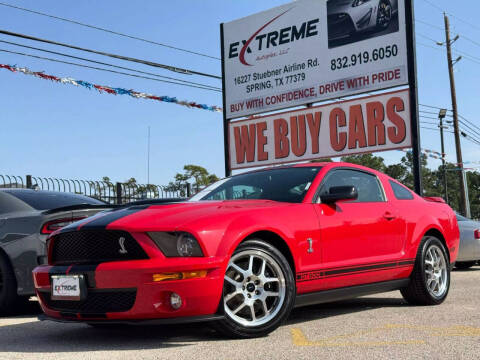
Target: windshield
x=283 y=184
x=461 y=218
x=44 y=200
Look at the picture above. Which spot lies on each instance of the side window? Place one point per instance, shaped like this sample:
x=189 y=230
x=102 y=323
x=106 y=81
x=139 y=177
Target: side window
x=400 y=192
x=239 y=192
x=367 y=185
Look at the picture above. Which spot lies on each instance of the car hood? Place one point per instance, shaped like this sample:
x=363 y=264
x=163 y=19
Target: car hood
x=169 y=217
x=339 y=5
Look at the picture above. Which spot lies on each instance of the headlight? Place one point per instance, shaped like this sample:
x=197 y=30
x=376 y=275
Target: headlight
x=359 y=2
x=176 y=244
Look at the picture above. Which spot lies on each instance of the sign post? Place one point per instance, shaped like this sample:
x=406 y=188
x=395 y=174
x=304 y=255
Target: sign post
x=309 y=51
x=228 y=171
x=412 y=76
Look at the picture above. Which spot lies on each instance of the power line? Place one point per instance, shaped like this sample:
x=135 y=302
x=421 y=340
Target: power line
x=452 y=15
x=433 y=107
x=107 y=70
x=468 y=121
x=428 y=122
x=121 y=57
x=428 y=24
x=111 y=65
x=472 y=140
x=476 y=132
x=429 y=46
x=467 y=56
x=427 y=128
x=435 y=6
x=428 y=117
x=468 y=39
x=427 y=37
x=108 y=31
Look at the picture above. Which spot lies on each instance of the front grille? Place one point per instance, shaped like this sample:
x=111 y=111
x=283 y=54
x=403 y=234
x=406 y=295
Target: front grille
x=97 y=302
x=87 y=247
x=339 y=26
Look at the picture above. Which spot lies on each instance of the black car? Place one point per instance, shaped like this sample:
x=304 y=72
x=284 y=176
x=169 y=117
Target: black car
x=27 y=217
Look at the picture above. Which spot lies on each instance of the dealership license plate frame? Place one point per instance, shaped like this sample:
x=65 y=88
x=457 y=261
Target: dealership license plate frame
x=79 y=280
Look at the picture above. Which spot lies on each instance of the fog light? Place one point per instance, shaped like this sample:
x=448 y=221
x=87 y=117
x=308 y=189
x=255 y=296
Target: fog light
x=175 y=301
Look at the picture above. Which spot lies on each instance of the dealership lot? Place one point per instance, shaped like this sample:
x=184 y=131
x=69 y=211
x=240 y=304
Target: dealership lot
x=379 y=326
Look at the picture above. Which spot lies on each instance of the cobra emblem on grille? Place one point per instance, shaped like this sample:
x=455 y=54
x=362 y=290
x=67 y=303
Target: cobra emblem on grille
x=121 y=242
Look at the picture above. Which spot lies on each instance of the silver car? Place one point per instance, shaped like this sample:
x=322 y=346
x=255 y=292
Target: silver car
x=469 y=248
x=27 y=217
x=349 y=17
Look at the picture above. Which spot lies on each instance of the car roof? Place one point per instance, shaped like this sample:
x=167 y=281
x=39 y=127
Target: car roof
x=328 y=165
x=25 y=190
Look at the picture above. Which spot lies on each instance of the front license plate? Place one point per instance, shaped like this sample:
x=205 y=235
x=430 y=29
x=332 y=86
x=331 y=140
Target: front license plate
x=67 y=287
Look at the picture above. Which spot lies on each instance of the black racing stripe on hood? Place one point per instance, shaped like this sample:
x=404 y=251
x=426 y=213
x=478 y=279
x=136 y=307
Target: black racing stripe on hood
x=74 y=226
x=101 y=222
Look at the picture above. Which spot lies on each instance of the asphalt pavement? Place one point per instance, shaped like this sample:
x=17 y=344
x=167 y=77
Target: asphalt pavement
x=376 y=327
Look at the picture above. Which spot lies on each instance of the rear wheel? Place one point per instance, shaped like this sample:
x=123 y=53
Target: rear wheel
x=259 y=291
x=8 y=287
x=384 y=14
x=464 y=265
x=430 y=279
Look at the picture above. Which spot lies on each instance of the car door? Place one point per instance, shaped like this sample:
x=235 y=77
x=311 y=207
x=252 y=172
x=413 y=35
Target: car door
x=361 y=240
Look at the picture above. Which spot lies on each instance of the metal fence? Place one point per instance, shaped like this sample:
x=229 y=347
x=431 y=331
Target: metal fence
x=113 y=193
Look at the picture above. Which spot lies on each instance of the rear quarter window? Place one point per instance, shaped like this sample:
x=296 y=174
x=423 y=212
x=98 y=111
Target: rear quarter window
x=9 y=204
x=401 y=192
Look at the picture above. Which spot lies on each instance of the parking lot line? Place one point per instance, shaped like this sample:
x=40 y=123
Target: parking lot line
x=17 y=321
x=299 y=339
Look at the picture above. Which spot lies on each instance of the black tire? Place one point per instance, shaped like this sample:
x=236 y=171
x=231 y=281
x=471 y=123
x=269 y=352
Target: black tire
x=232 y=328
x=107 y=326
x=464 y=265
x=417 y=292
x=384 y=24
x=8 y=287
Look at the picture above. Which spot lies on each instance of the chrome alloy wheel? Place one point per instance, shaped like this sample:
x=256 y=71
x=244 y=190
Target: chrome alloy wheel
x=254 y=288
x=384 y=14
x=436 y=271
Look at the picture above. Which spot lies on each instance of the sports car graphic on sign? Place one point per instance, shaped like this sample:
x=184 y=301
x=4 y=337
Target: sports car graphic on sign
x=355 y=20
x=246 y=250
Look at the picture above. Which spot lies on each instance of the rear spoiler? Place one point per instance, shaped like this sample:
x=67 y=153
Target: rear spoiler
x=434 y=199
x=110 y=206
x=155 y=201
x=78 y=207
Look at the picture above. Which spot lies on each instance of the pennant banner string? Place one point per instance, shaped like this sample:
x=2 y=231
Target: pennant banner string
x=108 y=89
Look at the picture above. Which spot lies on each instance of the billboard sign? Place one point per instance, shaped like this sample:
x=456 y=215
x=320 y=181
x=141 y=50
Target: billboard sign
x=312 y=50
x=369 y=124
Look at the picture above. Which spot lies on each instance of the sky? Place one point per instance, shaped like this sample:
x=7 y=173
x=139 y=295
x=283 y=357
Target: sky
x=55 y=130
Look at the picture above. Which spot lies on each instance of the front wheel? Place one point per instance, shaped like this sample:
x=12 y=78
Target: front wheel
x=430 y=279
x=259 y=291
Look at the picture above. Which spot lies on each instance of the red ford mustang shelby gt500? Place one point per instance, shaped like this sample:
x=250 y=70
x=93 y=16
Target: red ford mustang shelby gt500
x=246 y=250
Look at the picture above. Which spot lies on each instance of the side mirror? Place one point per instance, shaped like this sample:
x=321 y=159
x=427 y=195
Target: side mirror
x=337 y=193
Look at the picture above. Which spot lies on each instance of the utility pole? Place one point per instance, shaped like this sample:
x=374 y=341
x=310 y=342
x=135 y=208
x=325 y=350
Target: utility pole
x=441 y=116
x=464 y=208
x=148 y=157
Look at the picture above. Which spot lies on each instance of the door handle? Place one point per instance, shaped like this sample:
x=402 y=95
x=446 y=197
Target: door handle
x=389 y=216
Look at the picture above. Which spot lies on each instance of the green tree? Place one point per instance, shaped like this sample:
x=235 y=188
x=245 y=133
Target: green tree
x=368 y=160
x=473 y=180
x=322 y=160
x=196 y=175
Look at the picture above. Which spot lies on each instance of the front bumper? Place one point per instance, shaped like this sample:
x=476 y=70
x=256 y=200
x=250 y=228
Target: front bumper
x=125 y=291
